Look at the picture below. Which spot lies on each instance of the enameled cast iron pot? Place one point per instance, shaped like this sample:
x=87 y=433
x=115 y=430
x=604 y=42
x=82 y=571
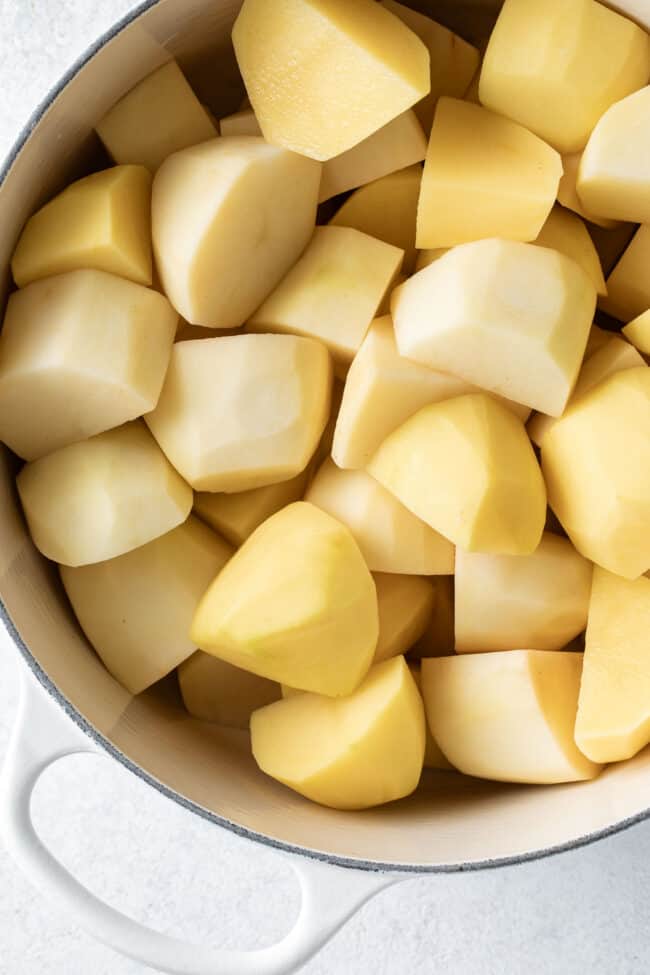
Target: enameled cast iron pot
x=71 y=704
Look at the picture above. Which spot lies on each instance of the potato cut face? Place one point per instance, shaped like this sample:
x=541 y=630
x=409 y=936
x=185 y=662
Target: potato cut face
x=628 y=285
x=565 y=232
x=215 y=691
x=405 y=605
x=433 y=757
x=638 y=332
x=567 y=193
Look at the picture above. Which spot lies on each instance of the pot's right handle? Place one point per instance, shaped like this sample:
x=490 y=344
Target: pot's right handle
x=42 y=735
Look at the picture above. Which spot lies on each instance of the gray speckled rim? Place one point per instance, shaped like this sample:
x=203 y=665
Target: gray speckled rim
x=107 y=746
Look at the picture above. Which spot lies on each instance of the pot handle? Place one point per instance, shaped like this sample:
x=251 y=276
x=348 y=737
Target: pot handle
x=42 y=735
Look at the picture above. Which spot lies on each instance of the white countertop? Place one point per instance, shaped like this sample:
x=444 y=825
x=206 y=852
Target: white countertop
x=586 y=911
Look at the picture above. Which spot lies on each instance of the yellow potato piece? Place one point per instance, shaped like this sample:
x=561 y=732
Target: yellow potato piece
x=100 y=498
x=230 y=217
x=160 y=115
x=213 y=690
x=509 y=317
x=390 y=537
x=100 y=222
x=638 y=332
x=613 y=720
x=508 y=716
x=438 y=637
x=433 y=757
x=240 y=123
x=505 y=602
x=334 y=290
x=628 y=285
x=565 y=232
x=484 y=176
x=596 y=461
x=80 y=353
x=322 y=75
x=243 y=411
x=296 y=604
x=405 y=604
x=556 y=67
x=567 y=193
x=359 y=751
x=136 y=609
x=467 y=468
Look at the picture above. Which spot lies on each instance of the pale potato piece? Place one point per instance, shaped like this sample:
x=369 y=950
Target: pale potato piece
x=467 y=468
x=484 y=176
x=100 y=222
x=390 y=537
x=230 y=217
x=100 y=498
x=556 y=67
x=213 y=690
x=405 y=604
x=438 y=637
x=296 y=604
x=243 y=411
x=323 y=76
x=565 y=232
x=240 y=123
x=505 y=602
x=136 y=609
x=508 y=716
x=160 y=115
x=628 y=285
x=509 y=317
x=567 y=193
x=638 y=332
x=433 y=757
x=333 y=292
x=359 y=751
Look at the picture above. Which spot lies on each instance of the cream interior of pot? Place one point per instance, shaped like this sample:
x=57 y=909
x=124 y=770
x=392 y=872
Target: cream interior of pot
x=451 y=820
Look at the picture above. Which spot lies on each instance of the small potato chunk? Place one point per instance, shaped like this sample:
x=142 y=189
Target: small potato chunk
x=556 y=67
x=484 y=176
x=80 y=353
x=565 y=232
x=240 y=123
x=136 y=609
x=405 y=605
x=100 y=222
x=160 y=115
x=243 y=411
x=509 y=317
x=323 y=76
x=505 y=602
x=296 y=604
x=567 y=193
x=230 y=217
x=100 y=498
x=628 y=286
x=638 y=332
x=359 y=751
x=433 y=757
x=389 y=536
x=508 y=716
x=467 y=468
x=334 y=290
x=213 y=690
x=438 y=637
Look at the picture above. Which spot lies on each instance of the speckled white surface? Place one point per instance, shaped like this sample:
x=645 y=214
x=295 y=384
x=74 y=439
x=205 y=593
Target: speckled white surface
x=586 y=911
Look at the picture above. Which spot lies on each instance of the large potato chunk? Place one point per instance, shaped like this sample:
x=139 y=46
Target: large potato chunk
x=243 y=411
x=80 y=353
x=230 y=217
x=512 y=318
x=216 y=691
x=100 y=222
x=324 y=74
x=507 y=716
x=296 y=604
x=100 y=498
x=466 y=467
x=556 y=66
x=484 y=176
x=565 y=232
x=389 y=536
x=405 y=605
x=567 y=192
x=136 y=609
x=359 y=751
x=628 y=285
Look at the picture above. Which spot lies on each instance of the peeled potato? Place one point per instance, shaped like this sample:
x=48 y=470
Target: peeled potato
x=405 y=604
x=638 y=332
x=433 y=757
x=213 y=690
x=437 y=639
x=565 y=232
x=567 y=193
x=240 y=123
x=628 y=285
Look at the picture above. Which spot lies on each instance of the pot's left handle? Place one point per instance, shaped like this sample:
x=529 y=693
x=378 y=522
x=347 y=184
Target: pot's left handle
x=42 y=735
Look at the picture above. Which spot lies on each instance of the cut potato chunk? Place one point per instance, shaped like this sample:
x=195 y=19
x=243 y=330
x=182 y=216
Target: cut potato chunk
x=159 y=116
x=323 y=76
x=334 y=290
x=638 y=332
x=565 y=232
x=389 y=536
x=509 y=317
x=556 y=67
x=243 y=411
x=296 y=604
x=136 y=609
x=596 y=461
x=230 y=217
x=405 y=605
x=433 y=757
x=216 y=691
x=240 y=123
x=359 y=751
x=505 y=602
x=467 y=468
x=628 y=286
x=484 y=176
x=100 y=222
x=428 y=255
x=508 y=716
x=80 y=353
x=100 y=498
x=567 y=193
x=438 y=637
